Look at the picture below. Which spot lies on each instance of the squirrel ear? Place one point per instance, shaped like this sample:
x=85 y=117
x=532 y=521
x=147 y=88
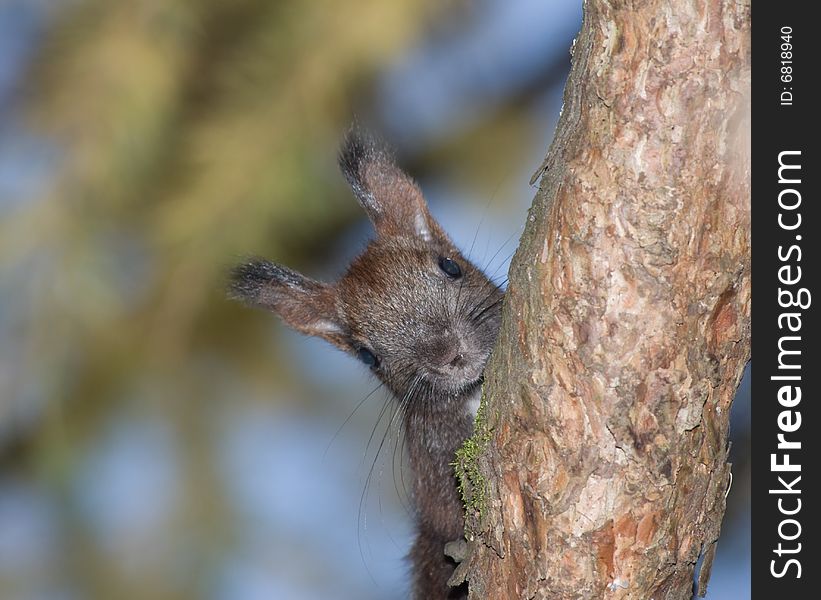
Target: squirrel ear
x=392 y=200
x=304 y=304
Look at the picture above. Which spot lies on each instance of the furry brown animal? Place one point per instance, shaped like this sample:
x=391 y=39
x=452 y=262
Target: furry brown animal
x=421 y=317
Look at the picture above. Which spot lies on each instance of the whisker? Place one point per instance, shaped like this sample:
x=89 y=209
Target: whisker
x=388 y=400
x=472 y=313
x=350 y=416
x=476 y=318
x=399 y=431
x=498 y=251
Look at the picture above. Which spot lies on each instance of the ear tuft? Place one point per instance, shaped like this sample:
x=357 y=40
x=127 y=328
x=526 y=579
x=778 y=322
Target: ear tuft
x=361 y=151
x=304 y=304
x=392 y=200
x=247 y=280
x=251 y=282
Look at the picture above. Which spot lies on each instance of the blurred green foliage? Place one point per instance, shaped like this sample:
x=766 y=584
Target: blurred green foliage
x=189 y=133
x=186 y=135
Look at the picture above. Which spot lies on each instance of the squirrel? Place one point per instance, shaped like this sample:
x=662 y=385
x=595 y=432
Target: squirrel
x=421 y=317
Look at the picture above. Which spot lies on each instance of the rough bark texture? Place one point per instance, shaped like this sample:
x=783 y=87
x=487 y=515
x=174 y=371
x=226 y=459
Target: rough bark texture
x=599 y=467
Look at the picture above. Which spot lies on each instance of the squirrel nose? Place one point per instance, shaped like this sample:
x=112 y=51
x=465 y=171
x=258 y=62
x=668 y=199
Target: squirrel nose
x=447 y=352
x=454 y=358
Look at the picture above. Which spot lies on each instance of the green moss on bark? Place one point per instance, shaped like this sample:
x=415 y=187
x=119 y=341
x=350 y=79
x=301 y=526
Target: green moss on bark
x=473 y=485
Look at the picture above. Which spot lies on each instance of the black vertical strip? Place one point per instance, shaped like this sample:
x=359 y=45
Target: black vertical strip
x=785 y=274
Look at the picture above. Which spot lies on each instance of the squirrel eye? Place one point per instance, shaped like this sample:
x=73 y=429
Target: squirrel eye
x=367 y=357
x=450 y=267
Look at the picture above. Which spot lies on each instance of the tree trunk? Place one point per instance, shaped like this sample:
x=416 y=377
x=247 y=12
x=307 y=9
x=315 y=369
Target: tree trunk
x=599 y=464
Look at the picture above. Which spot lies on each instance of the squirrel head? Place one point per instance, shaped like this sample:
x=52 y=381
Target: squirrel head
x=411 y=307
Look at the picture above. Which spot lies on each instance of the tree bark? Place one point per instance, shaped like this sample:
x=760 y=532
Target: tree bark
x=599 y=464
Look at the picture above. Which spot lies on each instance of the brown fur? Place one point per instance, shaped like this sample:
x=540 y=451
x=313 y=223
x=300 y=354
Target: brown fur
x=431 y=333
